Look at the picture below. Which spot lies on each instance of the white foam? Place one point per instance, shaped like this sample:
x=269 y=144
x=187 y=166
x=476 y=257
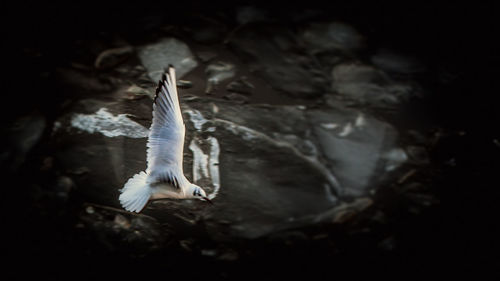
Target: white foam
x=213 y=163
x=329 y=126
x=197 y=118
x=360 y=121
x=206 y=165
x=347 y=130
x=108 y=124
x=200 y=161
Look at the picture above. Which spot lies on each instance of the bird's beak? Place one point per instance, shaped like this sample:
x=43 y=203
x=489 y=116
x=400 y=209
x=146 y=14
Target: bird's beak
x=208 y=200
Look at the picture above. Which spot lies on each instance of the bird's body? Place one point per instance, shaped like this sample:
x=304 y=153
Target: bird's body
x=164 y=176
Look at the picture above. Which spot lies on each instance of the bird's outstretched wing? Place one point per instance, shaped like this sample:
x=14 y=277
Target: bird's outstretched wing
x=166 y=135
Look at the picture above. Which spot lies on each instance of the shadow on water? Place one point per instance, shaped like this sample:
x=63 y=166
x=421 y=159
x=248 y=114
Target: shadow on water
x=347 y=140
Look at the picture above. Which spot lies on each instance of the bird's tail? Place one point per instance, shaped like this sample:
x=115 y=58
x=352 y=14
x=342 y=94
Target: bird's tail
x=135 y=194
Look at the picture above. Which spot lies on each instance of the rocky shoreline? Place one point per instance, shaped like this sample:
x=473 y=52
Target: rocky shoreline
x=317 y=146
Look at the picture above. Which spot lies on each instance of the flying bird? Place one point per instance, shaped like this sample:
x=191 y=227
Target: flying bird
x=164 y=176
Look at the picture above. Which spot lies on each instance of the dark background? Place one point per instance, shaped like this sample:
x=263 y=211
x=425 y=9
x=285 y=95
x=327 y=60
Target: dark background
x=459 y=238
x=456 y=36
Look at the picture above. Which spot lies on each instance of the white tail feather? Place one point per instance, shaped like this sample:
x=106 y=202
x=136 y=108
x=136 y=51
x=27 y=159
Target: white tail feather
x=135 y=194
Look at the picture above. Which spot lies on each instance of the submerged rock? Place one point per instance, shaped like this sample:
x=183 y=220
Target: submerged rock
x=206 y=30
x=241 y=86
x=391 y=61
x=120 y=231
x=248 y=14
x=367 y=85
x=136 y=92
x=273 y=54
x=112 y=57
x=184 y=84
x=93 y=135
x=236 y=98
x=206 y=56
x=20 y=138
x=320 y=37
x=355 y=148
x=267 y=168
x=157 y=56
x=83 y=81
x=218 y=72
x=278 y=173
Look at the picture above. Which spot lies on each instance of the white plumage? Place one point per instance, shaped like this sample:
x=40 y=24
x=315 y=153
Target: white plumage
x=164 y=176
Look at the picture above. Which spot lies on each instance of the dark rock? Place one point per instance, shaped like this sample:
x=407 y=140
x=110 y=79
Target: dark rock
x=135 y=92
x=122 y=232
x=248 y=14
x=347 y=211
x=206 y=56
x=423 y=199
x=112 y=57
x=319 y=37
x=417 y=138
x=288 y=238
x=355 y=147
x=187 y=244
x=228 y=255
x=83 y=81
x=328 y=59
x=388 y=244
x=351 y=72
x=418 y=155
x=218 y=72
x=241 y=86
x=309 y=189
x=391 y=61
x=209 y=252
x=92 y=135
x=79 y=171
x=237 y=98
x=47 y=164
x=204 y=29
x=325 y=155
x=184 y=84
x=273 y=54
x=324 y=178
x=63 y=187
x=366 y=85
x=304 y=15
x=394 y=158
x=157 y=56
x=20 y=138
x=496 y=143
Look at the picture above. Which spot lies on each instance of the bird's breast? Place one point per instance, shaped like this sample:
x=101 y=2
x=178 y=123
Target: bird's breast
x=166 y=190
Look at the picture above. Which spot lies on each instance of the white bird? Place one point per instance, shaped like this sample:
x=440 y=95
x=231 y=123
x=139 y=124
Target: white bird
x=164 y=176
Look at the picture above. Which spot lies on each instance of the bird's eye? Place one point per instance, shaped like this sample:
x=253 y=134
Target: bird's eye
x=197 y=192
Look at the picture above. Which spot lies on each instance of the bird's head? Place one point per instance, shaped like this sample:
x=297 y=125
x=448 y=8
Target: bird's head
x=198 y=193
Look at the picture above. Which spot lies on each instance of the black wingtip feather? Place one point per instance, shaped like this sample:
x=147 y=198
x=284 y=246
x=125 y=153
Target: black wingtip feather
x=158 y=90
x=162 y=81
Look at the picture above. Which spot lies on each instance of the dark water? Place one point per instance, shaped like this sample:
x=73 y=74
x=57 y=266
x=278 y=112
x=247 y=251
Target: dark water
x=395 y=103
